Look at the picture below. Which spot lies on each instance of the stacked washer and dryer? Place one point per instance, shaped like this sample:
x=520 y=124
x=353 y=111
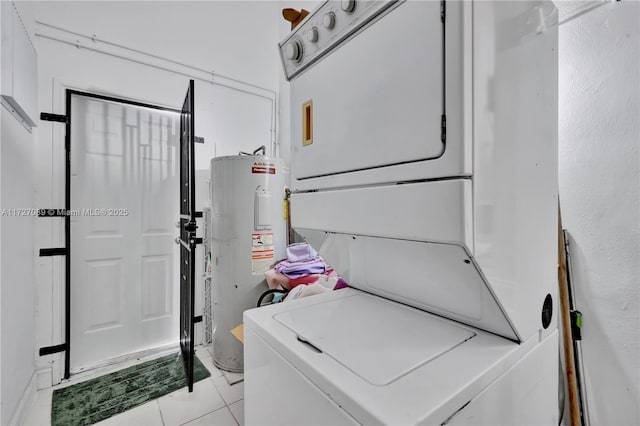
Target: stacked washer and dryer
x=424 y=166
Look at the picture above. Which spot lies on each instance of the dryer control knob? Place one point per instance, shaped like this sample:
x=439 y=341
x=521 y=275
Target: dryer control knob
x=348 y=5
x=312 y=35
x=329 y=20
x=293 y=51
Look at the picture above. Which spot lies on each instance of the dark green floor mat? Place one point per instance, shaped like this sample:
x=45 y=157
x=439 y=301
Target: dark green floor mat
x=100 y=398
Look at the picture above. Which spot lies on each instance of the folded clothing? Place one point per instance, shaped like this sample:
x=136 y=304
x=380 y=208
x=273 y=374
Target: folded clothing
x=300 y=252
x=329 y=278
x=300 y=268
x=303 y=280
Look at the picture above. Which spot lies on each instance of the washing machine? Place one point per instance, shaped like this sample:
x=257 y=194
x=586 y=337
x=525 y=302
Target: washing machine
x=424 y=168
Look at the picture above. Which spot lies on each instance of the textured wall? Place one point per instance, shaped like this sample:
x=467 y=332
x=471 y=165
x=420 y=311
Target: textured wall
x=17 y=294
x=599 y=187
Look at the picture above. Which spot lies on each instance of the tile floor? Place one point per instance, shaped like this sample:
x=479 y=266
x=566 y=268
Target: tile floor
x=213 y=402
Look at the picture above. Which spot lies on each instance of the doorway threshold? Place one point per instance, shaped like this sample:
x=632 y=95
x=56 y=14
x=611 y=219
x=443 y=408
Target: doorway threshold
x=117 y=363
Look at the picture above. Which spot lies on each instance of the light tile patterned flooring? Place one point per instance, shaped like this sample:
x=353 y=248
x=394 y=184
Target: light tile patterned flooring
x=213 y=402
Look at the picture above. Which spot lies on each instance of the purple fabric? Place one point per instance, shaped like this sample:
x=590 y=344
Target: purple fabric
x=299 y=269
x=300 y=252
x=340 y=284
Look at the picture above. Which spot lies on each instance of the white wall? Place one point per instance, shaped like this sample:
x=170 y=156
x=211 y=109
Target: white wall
x=207 y=35
x=17 y=277
x=599 y=187
x=1 y=410
x=235 y=39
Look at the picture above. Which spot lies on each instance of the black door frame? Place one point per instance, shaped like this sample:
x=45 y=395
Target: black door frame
x=188 y=228
x=64 y=212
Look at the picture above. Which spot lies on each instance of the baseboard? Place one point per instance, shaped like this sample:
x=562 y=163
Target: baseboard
x=27 y=398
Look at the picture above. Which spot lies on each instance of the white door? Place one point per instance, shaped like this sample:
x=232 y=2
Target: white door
x=124 y=183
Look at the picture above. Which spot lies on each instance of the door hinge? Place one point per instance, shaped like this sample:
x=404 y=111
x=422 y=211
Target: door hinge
x=45 y=116
x=57 y=251
x=443 y=128
x=48 y=350
x=443 y=11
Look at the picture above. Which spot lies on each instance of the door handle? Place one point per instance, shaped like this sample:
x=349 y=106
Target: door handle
x=309 y=344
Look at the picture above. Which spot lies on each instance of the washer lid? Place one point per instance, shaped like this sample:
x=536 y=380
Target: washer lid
x=440 y=278
x=363 y=333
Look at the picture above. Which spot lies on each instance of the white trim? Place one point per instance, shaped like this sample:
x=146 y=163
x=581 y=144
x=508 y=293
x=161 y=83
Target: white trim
x=58 y=232
x=43 y=378
x=126 y=53
x=59 y=88
x=25 y=402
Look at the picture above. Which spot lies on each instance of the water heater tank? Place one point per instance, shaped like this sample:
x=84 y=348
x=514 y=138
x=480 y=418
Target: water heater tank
x=248 y=234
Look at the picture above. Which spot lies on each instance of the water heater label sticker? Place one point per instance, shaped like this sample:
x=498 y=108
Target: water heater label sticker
x=260 y=167
x=262 y=252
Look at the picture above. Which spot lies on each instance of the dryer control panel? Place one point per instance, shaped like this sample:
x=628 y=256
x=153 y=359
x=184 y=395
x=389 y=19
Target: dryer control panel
x=329 y=25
